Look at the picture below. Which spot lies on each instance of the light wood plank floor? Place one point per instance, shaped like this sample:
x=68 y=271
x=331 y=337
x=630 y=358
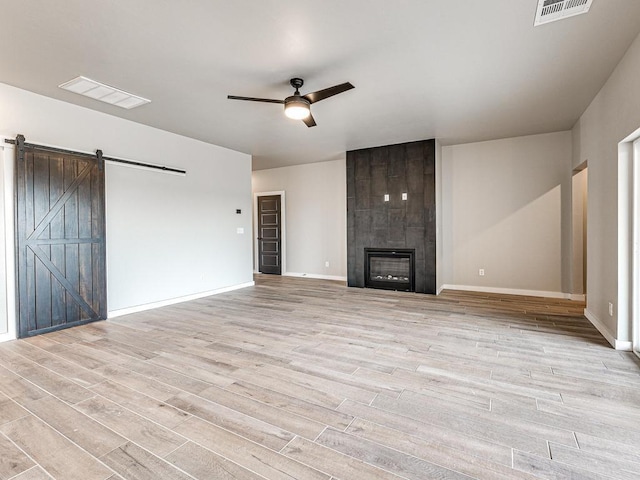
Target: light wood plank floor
x=307 y=379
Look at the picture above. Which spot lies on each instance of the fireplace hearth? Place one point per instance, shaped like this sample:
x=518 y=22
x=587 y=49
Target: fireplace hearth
x=390 y=269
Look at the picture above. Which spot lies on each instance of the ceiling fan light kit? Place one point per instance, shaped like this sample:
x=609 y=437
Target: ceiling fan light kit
x=298 y=107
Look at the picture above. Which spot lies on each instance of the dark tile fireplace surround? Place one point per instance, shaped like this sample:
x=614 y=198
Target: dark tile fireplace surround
x=379 y=220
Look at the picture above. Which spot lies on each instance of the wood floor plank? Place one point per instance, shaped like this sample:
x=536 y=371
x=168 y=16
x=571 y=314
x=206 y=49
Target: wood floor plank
x=290 y=422
x=613 y=449
x=84 y=355
x=316 y=382
x=389 y=459
x=237 y=422
x=203 y=464
x=595 y=462
x=201 y=373
x=90 y=435
x=10 y=410
x=498 y=432
x=259 y=459
x=433 y=452
x=69 y=370
x=517 y=420
x=17 y=388
x=135 y=381
x=549 y=469
x=35 y=473
x=57 y=455
x=143 y=405
x=424 y=385
x=333 y=462
x=134 y=463
x=445 y=436
x=292 y=404
x=13 y=461
x=273 y=381
x=167 y=376
x=47 y=380
x=600 y=424
x=156 y=439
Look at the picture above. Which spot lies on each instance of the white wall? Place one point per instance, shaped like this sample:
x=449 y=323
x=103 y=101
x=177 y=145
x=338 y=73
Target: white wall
x=507 y=209
x=610 y=118
x=316 y=216
x=168 y=236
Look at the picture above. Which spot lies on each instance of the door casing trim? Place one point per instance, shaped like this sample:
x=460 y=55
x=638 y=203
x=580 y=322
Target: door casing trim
x=7 y=159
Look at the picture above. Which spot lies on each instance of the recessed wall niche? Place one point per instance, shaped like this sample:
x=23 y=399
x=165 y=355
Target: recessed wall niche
x=372 y=222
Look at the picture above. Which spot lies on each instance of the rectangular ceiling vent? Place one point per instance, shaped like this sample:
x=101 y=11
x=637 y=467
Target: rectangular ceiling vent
x=99 y=91
x=552 y=10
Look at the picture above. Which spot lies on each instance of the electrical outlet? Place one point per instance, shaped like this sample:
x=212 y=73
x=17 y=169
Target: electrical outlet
x=481 y=272
x=326 y=264
x=610 y=309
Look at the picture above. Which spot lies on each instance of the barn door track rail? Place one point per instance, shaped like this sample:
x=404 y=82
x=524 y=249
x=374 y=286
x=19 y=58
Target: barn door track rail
x=132 y=163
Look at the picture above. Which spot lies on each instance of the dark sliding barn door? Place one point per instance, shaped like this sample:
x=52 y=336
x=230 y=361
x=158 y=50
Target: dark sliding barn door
x=60 y=239
x=269 y=230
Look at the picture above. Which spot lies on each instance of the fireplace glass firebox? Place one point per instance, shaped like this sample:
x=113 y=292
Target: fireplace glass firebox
x=389 y=269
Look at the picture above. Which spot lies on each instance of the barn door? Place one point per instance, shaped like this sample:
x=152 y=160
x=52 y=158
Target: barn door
x=60 y=239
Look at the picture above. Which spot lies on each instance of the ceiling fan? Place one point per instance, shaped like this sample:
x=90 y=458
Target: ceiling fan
x=298 y=106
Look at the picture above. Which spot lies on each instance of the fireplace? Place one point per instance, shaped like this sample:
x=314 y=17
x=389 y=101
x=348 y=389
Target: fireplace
x=389 y=269
x=391 y=205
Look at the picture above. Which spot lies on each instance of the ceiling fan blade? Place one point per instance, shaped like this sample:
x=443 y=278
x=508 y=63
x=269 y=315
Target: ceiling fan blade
x=252 y=99
x=328 y=92
x=309 y=121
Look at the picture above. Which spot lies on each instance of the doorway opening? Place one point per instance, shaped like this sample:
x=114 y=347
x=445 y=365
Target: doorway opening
x=269 y=228
x=579 y=200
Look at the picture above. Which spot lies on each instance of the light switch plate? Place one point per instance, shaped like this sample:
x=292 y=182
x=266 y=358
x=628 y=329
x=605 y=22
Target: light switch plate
x=240 y=230
x=386 y=197
x=404 y=196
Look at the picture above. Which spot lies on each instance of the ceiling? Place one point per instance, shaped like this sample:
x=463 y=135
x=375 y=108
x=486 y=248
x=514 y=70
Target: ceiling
x=457 y=70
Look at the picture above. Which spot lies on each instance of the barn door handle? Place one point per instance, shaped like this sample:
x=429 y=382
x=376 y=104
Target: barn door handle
x=259 y=238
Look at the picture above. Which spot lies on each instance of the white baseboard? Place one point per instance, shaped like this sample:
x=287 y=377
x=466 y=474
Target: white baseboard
x=440 y=289
x=315 y=275
x=172 y=301
x=5 y=337
x=609 y=337
x=508 y=291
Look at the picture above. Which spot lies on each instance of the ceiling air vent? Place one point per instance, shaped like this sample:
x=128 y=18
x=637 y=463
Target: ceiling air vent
x=99 y=91
x=552 y=10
